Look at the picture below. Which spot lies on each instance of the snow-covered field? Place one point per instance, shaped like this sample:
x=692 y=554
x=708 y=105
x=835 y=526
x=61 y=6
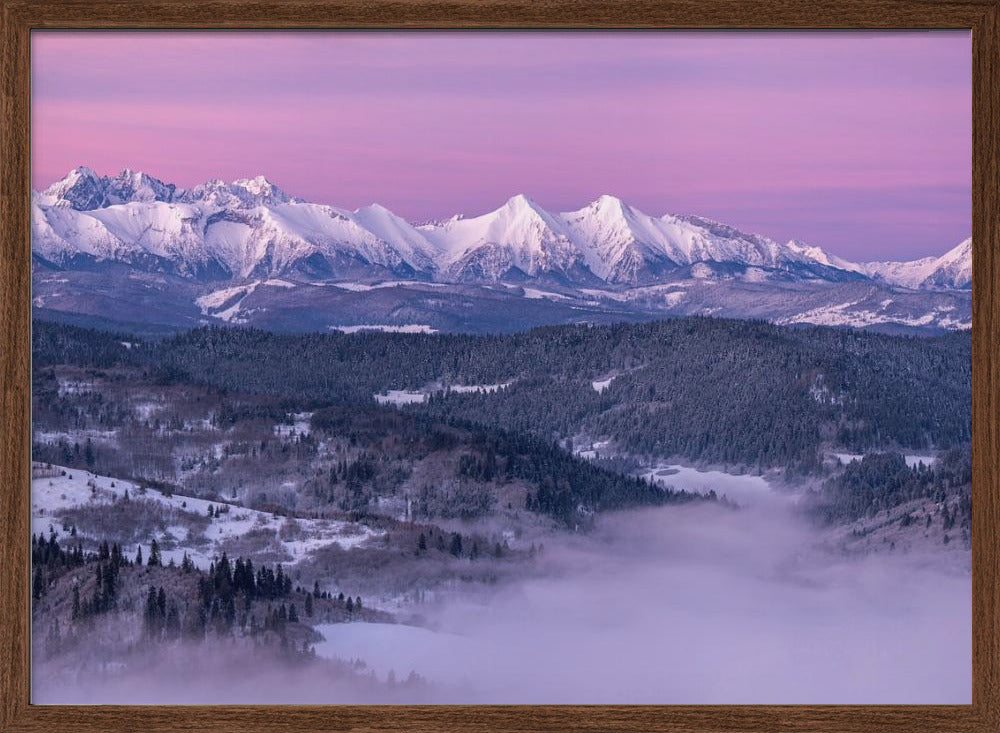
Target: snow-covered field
x=386 y=328
x=743 y=489
x=52 y=496
x=400 y=397
x=911 y=460
x=74 y=436
x=355 y=287
x=536 y=294
x=211 y=302
x=594 y=450
x=600 y=385
x=216 y=299
x=484 y=388
x=844 y=314
x=410 y=397
x=299 y=426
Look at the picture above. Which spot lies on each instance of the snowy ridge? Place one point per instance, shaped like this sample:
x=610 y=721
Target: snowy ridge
x=250 y=228
x=952 y=270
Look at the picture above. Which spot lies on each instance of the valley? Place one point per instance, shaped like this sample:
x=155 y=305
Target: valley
x=500 y=368
x=412 y=491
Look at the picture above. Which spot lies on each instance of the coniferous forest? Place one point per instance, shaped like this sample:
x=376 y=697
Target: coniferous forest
x=722 y=391
x=347 y=473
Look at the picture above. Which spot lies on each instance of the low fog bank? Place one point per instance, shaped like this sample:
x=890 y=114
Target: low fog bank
x=697 y=604
x=675 y=605
x=216 y=674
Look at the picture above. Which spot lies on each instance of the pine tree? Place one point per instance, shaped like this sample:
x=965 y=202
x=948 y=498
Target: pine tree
x=138 y=555
x=154 y=555
x=173 y=622
x=293 y=614
x=309 y=606
x=151 y=613
x=422 y=543
x=350 y=605
x=38 y=584
x=456 y=544
x=76 y=602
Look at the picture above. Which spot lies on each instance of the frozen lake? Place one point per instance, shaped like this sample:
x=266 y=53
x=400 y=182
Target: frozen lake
x=745 y=489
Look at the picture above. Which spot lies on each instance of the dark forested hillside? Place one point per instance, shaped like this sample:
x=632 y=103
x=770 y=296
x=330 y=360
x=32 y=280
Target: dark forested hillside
x=279 y=453
x=883 y=481
x=736 y=392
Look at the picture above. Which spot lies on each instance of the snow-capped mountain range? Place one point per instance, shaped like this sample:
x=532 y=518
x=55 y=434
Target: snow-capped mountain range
x=251 y=228
x=131 y=249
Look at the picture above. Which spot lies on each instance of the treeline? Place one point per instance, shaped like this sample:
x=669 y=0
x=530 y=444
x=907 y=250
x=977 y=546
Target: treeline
x=882 y=481
x=181 y=601
x=53 y=343
x=735 y=392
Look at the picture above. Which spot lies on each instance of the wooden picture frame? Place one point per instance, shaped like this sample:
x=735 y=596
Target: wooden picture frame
x=20 y=17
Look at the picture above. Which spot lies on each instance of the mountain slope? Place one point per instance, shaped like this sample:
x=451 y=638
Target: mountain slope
x=520 y=239
x=605 y=261
x=950 y=271
x=250 y=227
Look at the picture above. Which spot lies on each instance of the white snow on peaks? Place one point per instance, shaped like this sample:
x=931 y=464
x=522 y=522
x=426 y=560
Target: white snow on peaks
x=412 y=244
x=952 y=270
x=810 y=253
x=80 y=188
x=250 y=229
x=520 y=234
x=385 y=328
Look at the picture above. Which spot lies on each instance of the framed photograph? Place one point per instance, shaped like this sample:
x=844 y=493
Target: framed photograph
x=499 y=366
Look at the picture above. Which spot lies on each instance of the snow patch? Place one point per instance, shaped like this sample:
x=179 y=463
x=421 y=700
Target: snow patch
x=386 y=328
x=400 y=397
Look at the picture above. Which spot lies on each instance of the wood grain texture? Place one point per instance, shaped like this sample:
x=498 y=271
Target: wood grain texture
x=986 y=369
x=18 y=17
x=15 y=383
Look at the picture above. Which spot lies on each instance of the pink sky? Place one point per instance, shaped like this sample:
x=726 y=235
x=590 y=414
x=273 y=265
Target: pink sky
x=857 y=142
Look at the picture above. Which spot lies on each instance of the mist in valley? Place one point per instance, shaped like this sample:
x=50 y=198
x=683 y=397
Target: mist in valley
x=702 y=604
x=687 y=605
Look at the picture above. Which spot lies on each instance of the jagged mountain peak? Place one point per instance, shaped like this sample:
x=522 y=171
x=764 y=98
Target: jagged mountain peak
x=610 y=203
x=521 y=205
x=81 y=189
x=519 y=200
x=259 y=188
x=251 y=225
